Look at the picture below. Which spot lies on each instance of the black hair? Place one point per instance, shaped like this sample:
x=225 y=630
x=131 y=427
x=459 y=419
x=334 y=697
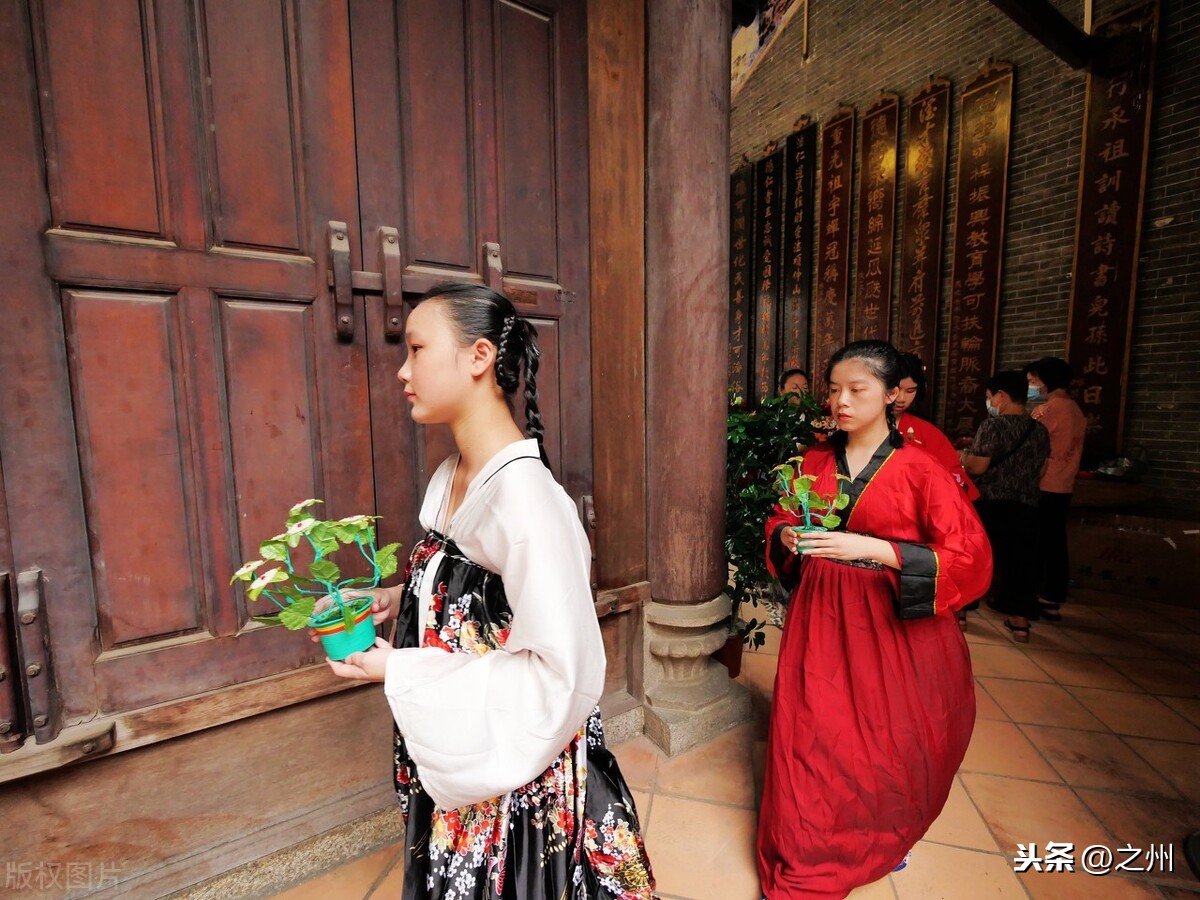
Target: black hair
x=884 y=362
x=1012 y=382
x=912 y=367
x=476 y=311
x=788 y=374
x=1055 y=373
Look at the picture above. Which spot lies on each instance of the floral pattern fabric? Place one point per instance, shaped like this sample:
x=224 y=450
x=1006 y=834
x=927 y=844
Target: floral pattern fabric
x=572 y=832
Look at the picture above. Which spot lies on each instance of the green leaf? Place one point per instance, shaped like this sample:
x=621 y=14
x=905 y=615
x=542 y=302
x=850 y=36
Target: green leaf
x=386 y=560
x=273 y=549
x=841 y=501
x=297 y=615
x=348 y=618
x=325 y=570
x=831 y=521
x=267 y=620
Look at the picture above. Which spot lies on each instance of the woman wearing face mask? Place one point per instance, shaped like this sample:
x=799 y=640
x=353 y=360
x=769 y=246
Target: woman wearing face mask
x=874 y=703
x=1048 y=379
x=921 y=432
x=1007 y=461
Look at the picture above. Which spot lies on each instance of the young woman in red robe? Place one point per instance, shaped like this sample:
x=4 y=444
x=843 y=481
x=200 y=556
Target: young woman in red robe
x=922 y=432
x=873 y=706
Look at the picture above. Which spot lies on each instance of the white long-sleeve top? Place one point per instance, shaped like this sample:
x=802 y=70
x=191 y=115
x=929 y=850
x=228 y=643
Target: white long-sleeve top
x=481 y=726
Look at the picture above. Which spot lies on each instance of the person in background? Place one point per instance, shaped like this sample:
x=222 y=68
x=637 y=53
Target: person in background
x=924 y=433
x=1047 y=381
x=793 y=381
x=1007 y=460
x=874 y=703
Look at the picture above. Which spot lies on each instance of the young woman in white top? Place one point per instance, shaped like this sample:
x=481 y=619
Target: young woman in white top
x=501 y=768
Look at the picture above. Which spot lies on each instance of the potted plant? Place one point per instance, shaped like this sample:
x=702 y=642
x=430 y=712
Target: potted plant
x=757 y=441
x=345 y=625
x=817 y=512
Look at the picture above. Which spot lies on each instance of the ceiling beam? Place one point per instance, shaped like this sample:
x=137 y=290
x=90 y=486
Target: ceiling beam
x=1051 y=28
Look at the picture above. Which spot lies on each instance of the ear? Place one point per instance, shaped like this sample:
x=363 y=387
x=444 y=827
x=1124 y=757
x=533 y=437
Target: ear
x=483 y=355
x=890 y=396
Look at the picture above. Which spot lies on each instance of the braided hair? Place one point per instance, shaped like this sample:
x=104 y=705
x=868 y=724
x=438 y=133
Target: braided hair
x=885 y=364
x=477 y=311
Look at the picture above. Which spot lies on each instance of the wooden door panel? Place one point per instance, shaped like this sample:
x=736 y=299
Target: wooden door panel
x=128 y=380
x=527 y=52
x=436 y=116
x=101 y=121
x=248 y=58
x=273 y=447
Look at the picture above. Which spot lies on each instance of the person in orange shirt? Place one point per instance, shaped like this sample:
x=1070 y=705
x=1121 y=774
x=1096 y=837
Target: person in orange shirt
x=1048 y=380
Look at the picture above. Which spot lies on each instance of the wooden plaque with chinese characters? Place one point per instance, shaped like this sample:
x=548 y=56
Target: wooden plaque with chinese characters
x=876 y=220
x=980 y=195
x=797 y=284
x=833 y=241
x=922 y=224
x=741 y=249
x=768 y=256
x=1112 y=186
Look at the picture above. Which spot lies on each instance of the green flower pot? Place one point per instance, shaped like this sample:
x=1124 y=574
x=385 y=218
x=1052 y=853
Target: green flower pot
x=336 y=639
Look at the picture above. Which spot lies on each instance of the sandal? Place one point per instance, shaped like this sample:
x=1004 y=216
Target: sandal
x=1020 y=633
x=1049 y=611
x=962 y=620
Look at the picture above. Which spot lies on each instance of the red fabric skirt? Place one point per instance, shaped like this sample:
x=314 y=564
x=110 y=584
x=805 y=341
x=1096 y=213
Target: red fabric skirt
x=870 y=720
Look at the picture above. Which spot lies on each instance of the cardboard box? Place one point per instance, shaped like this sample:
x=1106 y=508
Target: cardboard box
x=1139 y=556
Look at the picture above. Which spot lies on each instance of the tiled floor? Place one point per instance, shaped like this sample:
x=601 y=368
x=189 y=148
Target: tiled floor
x=1089 y=734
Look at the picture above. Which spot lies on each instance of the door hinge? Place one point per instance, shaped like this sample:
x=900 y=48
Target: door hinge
x=34 y=659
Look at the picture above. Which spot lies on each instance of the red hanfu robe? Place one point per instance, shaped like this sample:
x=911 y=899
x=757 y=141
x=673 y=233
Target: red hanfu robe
x=933 y=439
x=874 y=703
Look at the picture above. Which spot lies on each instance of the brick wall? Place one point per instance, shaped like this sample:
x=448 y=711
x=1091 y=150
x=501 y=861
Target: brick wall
x=860 y=47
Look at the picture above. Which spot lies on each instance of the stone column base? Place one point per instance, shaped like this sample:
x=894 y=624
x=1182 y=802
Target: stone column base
x=690 y=697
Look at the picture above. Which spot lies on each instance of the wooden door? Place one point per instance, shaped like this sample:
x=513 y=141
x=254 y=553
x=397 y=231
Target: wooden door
x=171 y=374
x=487 y=182
x=172 y=343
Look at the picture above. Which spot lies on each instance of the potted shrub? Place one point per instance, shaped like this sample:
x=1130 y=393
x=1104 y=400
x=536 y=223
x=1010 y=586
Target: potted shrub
x=345 y=625
x=758 y=440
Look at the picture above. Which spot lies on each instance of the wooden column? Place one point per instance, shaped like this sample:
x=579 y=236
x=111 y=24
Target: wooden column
x=689 y=697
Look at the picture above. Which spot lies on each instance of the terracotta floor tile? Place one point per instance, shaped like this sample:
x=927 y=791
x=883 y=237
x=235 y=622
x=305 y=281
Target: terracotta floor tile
x=1178 y=892
x=1082 y=669
x=702 y=850
x=1142 y=822
x=960 y=823
x=1040 y=704
x=1024 y=812
x=1183 y=647
x=1176 y=762
x=643 y=803
x=1158 y=676
x=878 y=890
x=721 y=771
x=1139 y=618
x=1088 y=616
x=352 y=881
x=981 y=630
x=1097 y=760
x=772 y=636
x=937 y=871
x=1187 y=707
x=985 y=706
x=1139 y=715
x=1079 y=885
x=758 y=673
x=999 y=748
x=638 y=759
x=1187 y=618
x=1054 y=636
x=1116 y=643
x=1004 y=662
x=392 y=886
